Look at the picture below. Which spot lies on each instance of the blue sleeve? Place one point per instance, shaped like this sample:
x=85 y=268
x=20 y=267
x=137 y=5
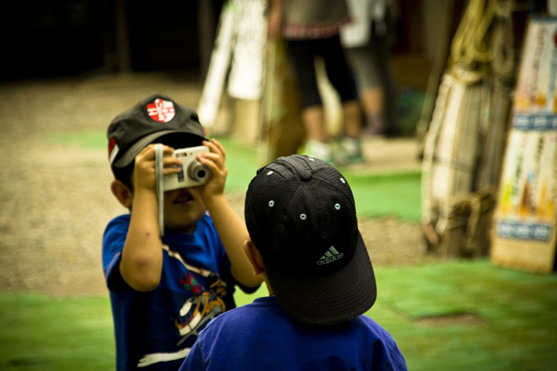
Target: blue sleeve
x=389 y=353
x=397 y=359
x=113 y=243
x=194 y=360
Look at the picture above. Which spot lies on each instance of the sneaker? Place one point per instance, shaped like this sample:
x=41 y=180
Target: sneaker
x=375 y=126
x=348 y=151
x=320 y=150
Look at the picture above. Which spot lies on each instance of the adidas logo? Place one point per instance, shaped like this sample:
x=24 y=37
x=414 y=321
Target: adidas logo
x=330 y=256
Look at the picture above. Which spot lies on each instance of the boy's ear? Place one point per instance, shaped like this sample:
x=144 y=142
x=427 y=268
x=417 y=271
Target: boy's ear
x=122 y=193
x=254 y=257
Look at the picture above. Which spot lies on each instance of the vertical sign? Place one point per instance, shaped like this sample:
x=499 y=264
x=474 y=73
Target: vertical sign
x=526 y=215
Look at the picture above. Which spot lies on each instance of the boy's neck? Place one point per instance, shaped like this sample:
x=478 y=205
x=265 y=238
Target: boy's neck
x=185 y=230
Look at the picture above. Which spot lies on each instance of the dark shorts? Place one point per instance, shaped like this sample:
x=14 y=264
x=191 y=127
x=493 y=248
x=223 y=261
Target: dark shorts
x=303 y=54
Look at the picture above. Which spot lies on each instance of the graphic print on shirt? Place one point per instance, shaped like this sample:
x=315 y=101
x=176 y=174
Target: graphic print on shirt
x=198 y=310
x=190 y=283
x=206 y=303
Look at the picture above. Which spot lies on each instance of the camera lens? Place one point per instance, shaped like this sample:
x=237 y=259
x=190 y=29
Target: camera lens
x=198 y=172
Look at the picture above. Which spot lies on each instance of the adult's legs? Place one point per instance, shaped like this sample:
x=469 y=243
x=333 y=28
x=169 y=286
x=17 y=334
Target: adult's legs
x=340 y=76
x=375 y=84
x=314 y=123
x=302 y=55
x=349 y=146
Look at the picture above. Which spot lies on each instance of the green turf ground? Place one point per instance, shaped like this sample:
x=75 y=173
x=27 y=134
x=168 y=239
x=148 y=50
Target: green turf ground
x=514 y=327
x=513 y=324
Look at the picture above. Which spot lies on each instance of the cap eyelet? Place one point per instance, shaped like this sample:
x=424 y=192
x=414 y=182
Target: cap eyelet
x=303 y=216
x=270 y=172
x=271 y=203
x=337 y=206
x=343 y=181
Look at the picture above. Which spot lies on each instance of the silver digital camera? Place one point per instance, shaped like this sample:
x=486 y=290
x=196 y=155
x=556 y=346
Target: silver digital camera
x=192 y=172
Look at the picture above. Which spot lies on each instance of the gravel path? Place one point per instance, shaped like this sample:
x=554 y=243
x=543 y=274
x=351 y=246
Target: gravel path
x=55 y=197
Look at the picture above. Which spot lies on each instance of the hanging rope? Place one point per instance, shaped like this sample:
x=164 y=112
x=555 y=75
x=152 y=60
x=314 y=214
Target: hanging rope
x=503 y=61
x=503 y=71
x=471 y=49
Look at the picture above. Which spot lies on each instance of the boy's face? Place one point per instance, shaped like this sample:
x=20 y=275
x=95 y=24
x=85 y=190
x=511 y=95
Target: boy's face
x=183 y=208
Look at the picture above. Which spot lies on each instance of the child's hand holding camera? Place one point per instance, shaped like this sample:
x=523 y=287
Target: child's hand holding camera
x=215 y=161
x=144 y=171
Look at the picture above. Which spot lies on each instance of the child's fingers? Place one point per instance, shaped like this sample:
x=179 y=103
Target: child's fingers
x=210 y=145
x=215 y=147
x=149 y=151
x=217 y=153
x=213 y=160
x=166 y=150
x=219 y=146
x=215 y=164
x=172 y=163
x=170 y=170
x=145 y=153
x=211 y=156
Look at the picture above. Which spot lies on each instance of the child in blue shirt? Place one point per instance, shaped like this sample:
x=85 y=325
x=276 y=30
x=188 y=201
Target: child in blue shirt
x=164 y=290
x=304 y=240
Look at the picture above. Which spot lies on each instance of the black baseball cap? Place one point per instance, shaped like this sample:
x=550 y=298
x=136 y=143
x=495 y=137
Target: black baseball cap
x=147 y=121
x=301 y=216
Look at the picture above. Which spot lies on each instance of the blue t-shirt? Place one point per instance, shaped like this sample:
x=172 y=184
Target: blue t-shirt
x=261 y=336
x=156 y=329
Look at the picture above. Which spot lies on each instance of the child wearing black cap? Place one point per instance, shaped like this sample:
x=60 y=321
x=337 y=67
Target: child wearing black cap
x=164 y=290
x=304 y=240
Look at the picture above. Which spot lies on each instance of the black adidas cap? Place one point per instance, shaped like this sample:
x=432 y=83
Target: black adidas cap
x=301 y=216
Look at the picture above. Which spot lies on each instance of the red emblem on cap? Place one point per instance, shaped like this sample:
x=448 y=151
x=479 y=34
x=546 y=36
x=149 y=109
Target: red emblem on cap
x=112 y=150
x=161 y=110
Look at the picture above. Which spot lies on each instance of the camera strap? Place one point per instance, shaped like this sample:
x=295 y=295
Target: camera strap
x=159 y=186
